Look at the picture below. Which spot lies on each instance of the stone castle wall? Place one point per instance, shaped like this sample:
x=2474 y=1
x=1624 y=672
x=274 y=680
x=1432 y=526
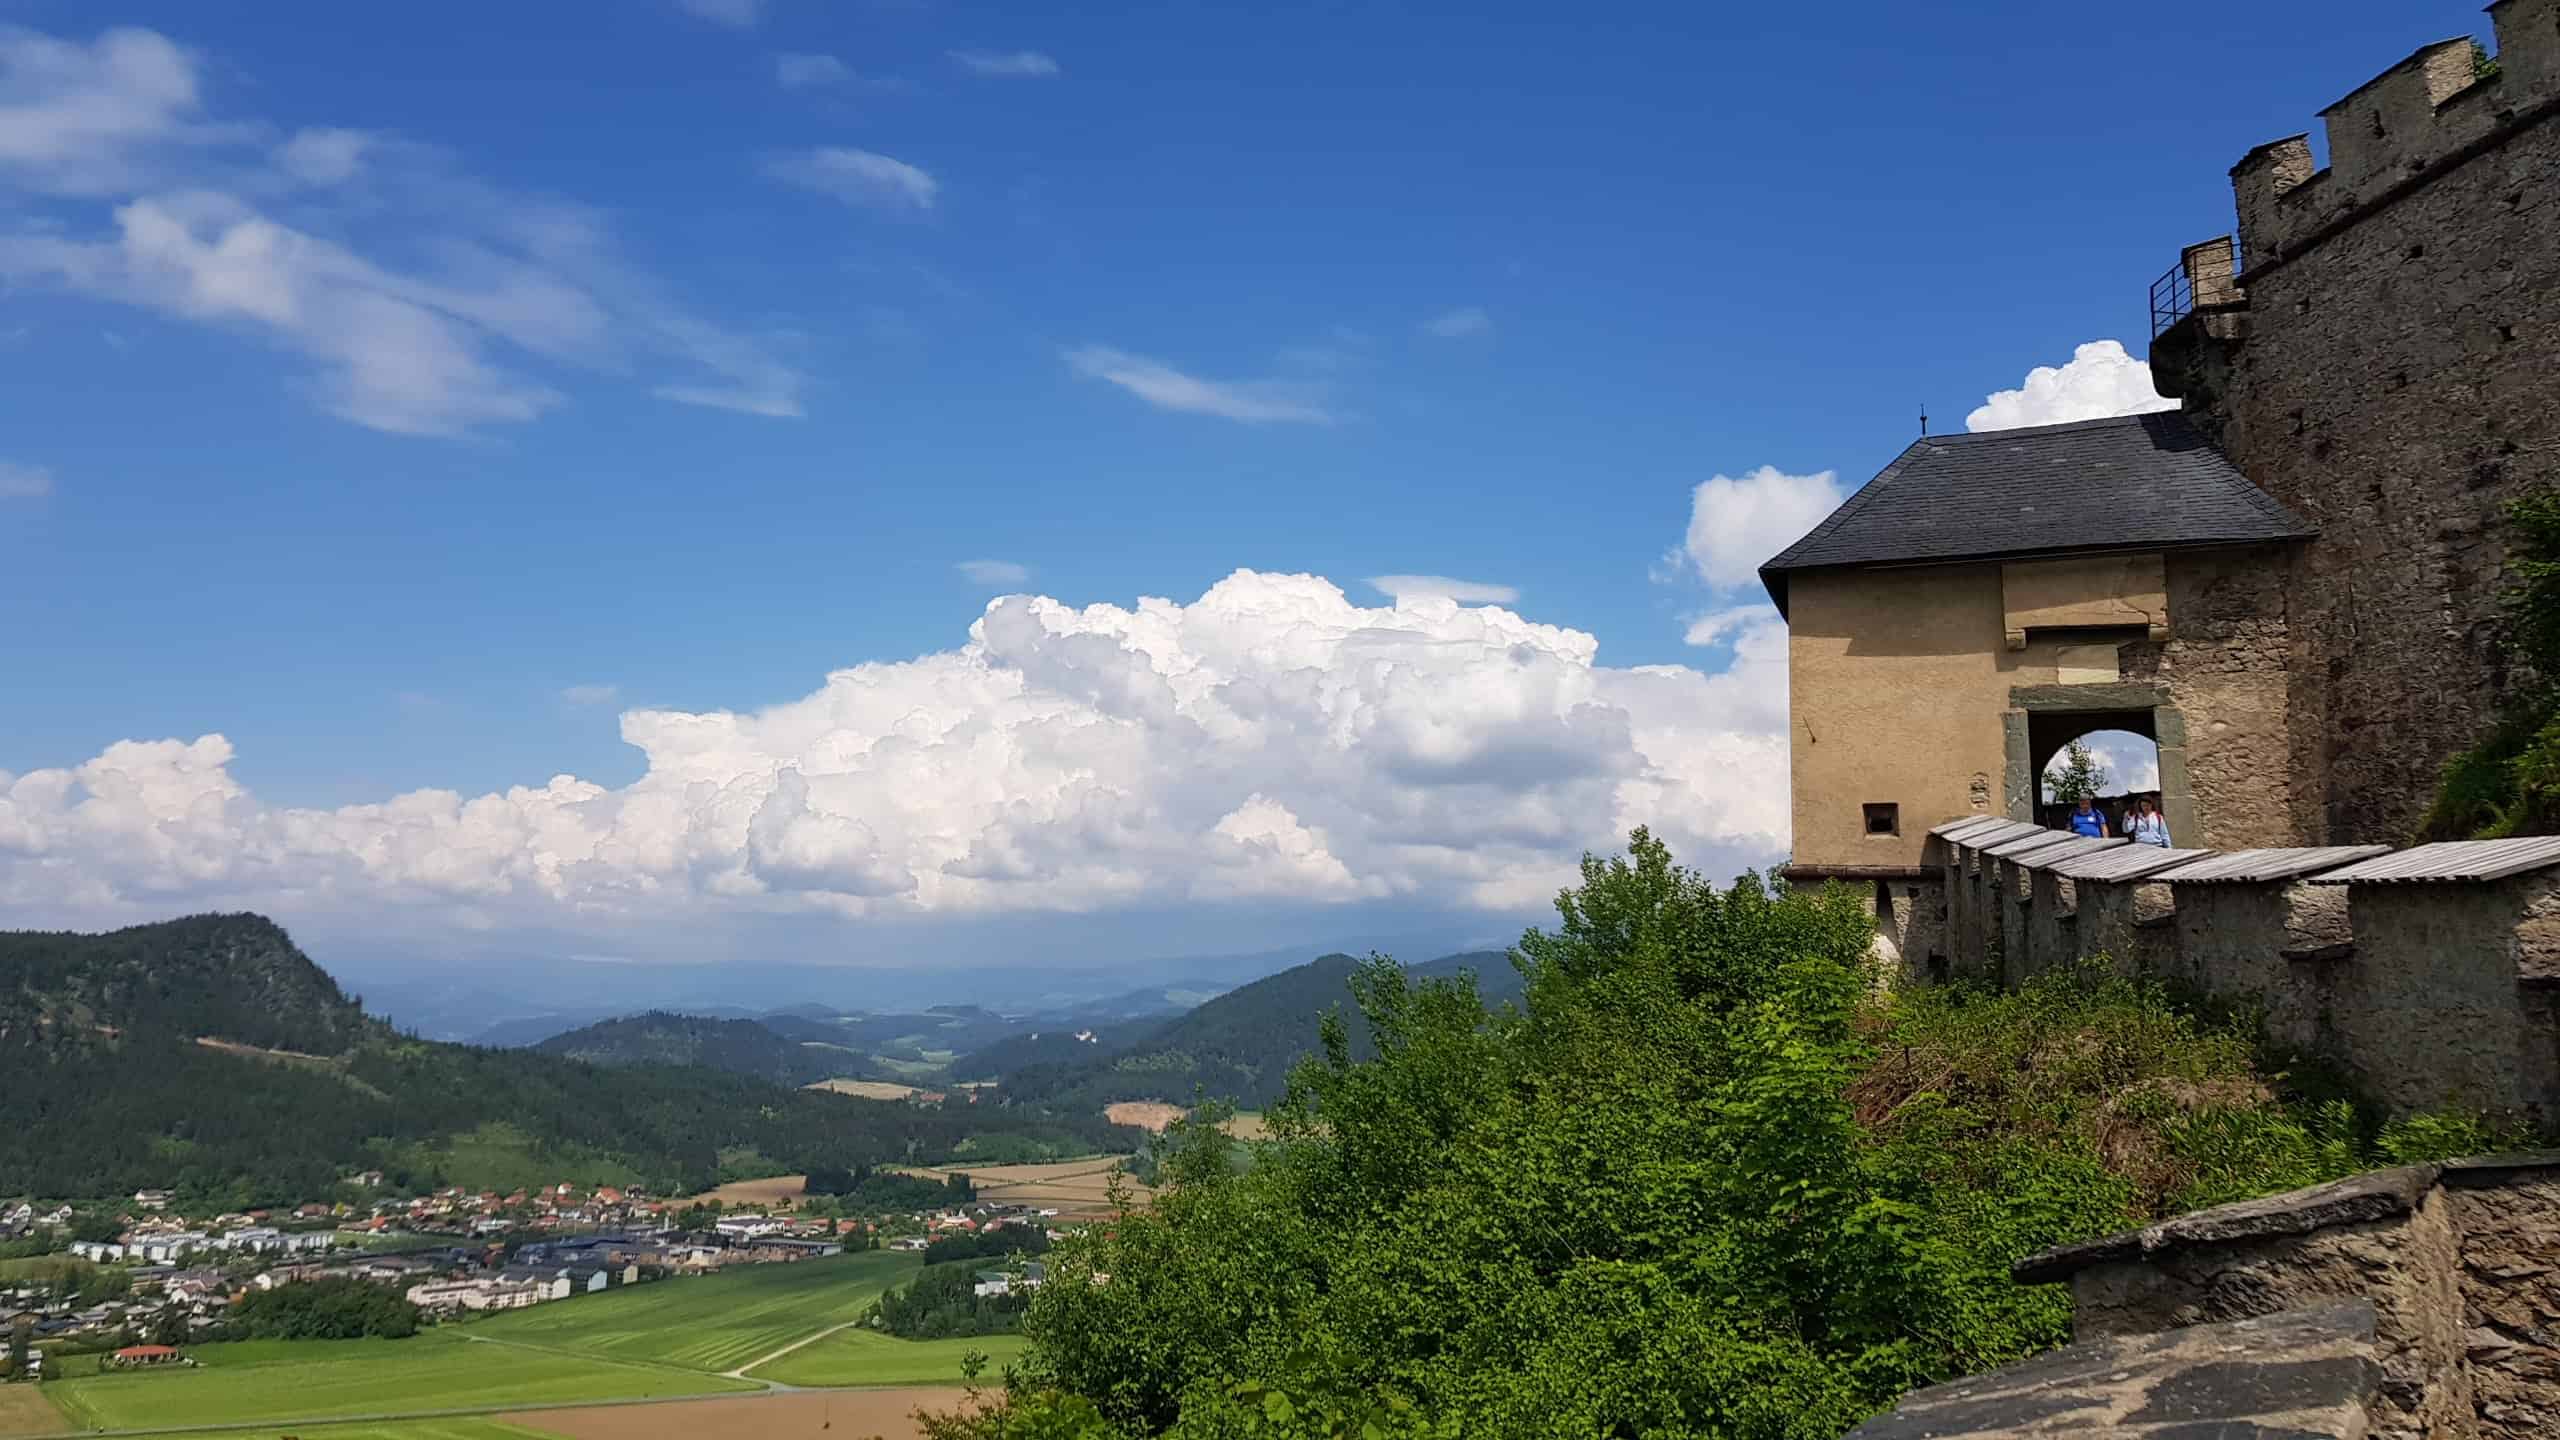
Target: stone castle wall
x=2408 y=1304
x=2388 y=365
x=2436 y=995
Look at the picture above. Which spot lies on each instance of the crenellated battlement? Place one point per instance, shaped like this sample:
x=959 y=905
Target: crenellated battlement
x=2427 y=111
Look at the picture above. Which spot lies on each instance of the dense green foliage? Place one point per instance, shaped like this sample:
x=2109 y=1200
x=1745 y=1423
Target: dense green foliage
x=865 y=1189
x=1706 y=1182
x=111 y=1091
x=752 y=1048
x=1238 y=1047
x=333 y=1307
x=2509 y=783
x=943 y=1302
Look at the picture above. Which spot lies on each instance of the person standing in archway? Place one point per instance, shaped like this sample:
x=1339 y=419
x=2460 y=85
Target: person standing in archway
x=2147 y=826
x=2087 y=819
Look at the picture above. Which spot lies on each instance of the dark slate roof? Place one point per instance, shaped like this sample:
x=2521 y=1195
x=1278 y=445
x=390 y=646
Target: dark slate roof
x=2137 y=482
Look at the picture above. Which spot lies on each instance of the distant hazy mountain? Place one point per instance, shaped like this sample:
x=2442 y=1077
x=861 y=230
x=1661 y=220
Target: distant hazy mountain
x=1239 y=1046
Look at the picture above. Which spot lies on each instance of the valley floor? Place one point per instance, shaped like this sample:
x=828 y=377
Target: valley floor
x=744 y=1342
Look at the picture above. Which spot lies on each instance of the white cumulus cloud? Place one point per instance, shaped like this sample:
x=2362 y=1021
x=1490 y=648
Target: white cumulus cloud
x=24 y=482
x=2100 y=382
x=857 y=177
x=1016 y=64
x=1252 y=401
x=1736 y=524
x=1441 y=587
x=1270 y=738
x=994 y=572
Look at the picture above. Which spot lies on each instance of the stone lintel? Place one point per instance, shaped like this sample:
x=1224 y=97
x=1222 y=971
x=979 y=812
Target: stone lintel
x=2122 y=696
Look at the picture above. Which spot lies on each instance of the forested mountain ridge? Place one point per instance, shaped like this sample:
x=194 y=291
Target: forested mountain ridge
x=1238 y=1047
x=754 y=1048
x=111 y=1089
x=231 y=977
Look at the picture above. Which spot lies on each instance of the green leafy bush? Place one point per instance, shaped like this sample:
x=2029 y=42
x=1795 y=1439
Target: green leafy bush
x=1708 y=1180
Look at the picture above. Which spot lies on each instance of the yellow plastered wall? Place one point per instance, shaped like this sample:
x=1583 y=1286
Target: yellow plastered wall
x=2085 y=591
x=1898 y=681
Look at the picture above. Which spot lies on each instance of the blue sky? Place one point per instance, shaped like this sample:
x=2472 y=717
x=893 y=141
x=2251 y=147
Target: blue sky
x=409 y=395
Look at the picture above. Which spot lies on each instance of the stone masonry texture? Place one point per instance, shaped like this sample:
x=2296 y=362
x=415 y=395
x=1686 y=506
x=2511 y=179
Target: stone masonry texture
x=2459 y=1264
x=2398 y=386
x=2306 y=1375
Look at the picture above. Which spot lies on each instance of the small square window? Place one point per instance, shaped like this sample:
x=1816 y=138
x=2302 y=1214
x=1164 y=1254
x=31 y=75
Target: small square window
x=1884 y=819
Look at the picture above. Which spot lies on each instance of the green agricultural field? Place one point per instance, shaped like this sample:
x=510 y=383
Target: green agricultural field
x=292 y=1379
x=867 y=1357
x=711 y=1322
x=451 y=1427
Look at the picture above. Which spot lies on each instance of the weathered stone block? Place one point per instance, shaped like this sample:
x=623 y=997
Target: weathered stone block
x=2305 y=1375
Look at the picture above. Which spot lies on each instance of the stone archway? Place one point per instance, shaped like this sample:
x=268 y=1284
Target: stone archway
x=2048 y=733
x=2047 y=717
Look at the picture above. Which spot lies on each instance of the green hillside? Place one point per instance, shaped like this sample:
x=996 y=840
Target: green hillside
x=755 y=1048
x=211 y=1056
x=1238 y=1047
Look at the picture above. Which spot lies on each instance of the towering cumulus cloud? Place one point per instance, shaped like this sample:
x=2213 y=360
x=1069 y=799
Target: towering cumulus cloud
x=1270 y=739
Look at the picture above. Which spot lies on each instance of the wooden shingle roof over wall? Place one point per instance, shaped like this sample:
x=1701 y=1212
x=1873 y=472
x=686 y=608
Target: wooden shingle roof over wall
x=2452 y=860
x=2257 y=867
x=2126 y=862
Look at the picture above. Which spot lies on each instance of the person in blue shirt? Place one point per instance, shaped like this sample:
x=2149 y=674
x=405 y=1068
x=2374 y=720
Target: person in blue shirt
x=2087 y=819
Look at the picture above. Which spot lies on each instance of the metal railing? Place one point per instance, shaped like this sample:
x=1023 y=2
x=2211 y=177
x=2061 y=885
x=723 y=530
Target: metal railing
x=2173 y=298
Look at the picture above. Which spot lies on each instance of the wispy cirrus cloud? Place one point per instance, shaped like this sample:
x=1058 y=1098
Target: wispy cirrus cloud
x=1009 y=64
x=809 y=72
x=856 y=177
x=994 y=572
x=591 y=694
x=1467 y=322
x=737 y=14
x=1401 y=588
x=24 y=482
x=324 y=155
x=191 y=223
x=99 y=117
x=1254 y=402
